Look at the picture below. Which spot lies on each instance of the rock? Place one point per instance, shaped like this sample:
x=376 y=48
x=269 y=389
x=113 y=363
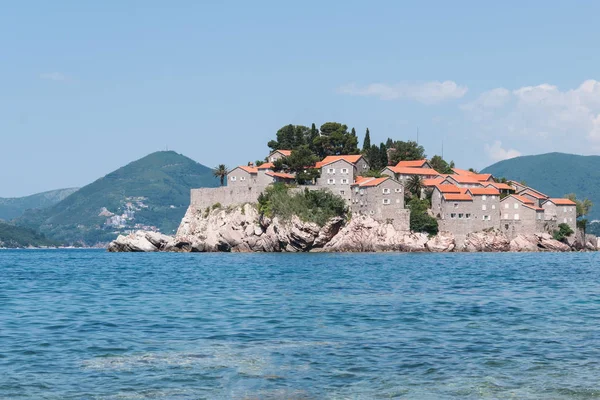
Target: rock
x=442 y=242
x=591 y=242
x=524 y=243
x=486 y=241
x=547 y=243
x=140 y=241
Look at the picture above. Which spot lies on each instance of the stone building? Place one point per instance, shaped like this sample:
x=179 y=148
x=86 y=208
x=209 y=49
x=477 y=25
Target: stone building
x=537 y=197
x=463 y=181
x=563 y=211
x=278 y=154
x=382 y=199
x=403 y=174
x=502 y=187
x=414 y=164
x=520 y=215
x=338 y=173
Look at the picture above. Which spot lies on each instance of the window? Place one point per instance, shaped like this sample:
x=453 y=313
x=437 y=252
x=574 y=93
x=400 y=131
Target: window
x=484 y=207
x=564 y=210
x=331 y=181
x=233 y=178
x=493 y=197
x=506 y=205
x=486 y=218
x=565 y=220
x=516 y=216
x=386 y=201
x=467 y=216
x=386 y=191
x=505 y=216
x=460 y=215
x=365 y=166
x=397 y=201
x=344 y=181
x=398 y=190
x=342 y=192
x=331 y=170
x=539 y=215
x=243 y=178
x=362 y=191
x=493 y=206
x=452 y=215
x=455 y=205
x=484 y=197
x=344 y=170
x=356 y=189
x=516 y=206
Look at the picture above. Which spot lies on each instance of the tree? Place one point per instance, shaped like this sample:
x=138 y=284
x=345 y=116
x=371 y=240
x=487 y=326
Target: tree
x=414 y=185
x=563 y=231
x=335 y=140
x=313 y=135
x=290 y=137
x=301 y=162
x=367 y=142
x=582 y=207
x=420 y=220
x=440 y=165
x=406 y=151
x=221 y=172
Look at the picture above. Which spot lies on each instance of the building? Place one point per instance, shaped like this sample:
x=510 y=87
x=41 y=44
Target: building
x=537 y=197
x=463 y=181
x=502 y=187
x=403 y=174
x=519 y=215
x=563 y=211
x=338 y=173
x=382 y=199
x=278 y=154
x=414 y=164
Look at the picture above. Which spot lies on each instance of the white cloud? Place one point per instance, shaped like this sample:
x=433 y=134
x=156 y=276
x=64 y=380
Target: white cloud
x=497 y=153
x=53 y=76
x=426 y=92
x=541 y=118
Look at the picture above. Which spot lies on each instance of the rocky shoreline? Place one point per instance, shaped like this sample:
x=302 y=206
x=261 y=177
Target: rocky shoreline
x=242 y=229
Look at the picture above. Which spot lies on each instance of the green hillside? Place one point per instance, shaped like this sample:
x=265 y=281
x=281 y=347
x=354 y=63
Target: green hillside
x=152 y=192
x=11 y=208
x=15 y=237
x=555 y=174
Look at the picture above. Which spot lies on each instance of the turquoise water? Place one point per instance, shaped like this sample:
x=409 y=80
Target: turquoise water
x=80 y=324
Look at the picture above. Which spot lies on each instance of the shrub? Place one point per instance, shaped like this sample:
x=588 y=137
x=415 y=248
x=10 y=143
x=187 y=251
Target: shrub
x=563 y=231
x=216 y=205
x=420 y=220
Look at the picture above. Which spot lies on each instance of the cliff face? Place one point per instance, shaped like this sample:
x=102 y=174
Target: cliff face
x=243 y=229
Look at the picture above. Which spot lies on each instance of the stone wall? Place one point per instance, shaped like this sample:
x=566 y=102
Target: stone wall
x=226 y=196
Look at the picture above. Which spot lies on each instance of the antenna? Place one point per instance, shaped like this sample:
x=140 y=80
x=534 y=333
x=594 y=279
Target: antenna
x=417 y=135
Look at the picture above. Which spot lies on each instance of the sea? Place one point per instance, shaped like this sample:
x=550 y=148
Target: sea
x=87 y=324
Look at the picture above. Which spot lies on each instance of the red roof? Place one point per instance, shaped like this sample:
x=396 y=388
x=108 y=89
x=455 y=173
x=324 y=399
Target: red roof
x=448 y=188
x=522 y=199
x=538 y=209
x=457 y=197
x=286 y=153
x=250 y=170
x=482 y=177
x=267 y=165
x=412 y=164
x=465 y=179
x=415 y=171
x=370 y=182
x=459 y=171
x=533 y=193
x=563 y=202
x=432 y=181
x=484 y=191
x=352 y=159
x=280 y=175
x=500 y=186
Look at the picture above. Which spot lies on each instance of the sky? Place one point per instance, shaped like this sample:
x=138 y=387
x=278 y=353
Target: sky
x=87 y=87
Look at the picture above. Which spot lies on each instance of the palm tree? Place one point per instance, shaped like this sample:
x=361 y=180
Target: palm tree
x=414 y=185
x=221 y=172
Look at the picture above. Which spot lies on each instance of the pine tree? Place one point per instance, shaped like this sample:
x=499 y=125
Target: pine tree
x=367 y=141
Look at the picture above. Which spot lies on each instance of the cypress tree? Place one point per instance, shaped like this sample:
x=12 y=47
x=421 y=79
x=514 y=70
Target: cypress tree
x=367 y=141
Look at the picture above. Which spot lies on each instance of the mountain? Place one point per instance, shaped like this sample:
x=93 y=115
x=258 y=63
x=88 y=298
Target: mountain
x=11 y=208
x=555 y=174
x=152 y=193
x=15 y=237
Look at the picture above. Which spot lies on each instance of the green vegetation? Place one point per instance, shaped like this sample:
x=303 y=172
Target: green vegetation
x=156 y=186
x=420 y=220
x=12 y=236
x=555 y=174
x=310 y=206
x=11 y=208
x=414 y=186
x=563 y=231
x=440 y=165
x=404 y=151
x=221 y=172
x=298 y=162
x=333 y=138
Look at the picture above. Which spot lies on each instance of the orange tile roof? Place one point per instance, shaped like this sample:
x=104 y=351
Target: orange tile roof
x=482 y=177
x=500 y=186
x=281 y=175
x=267 y=165
x=459 y=171
x=352 y=159
x=484 y=191
x=448 y=188
x=371 y=182
x=533 y=193
x=411 y=164
x=433 y=181
x=457 y=197
x=533 y=207
x=522 y=199
x=286 y=153
x=250 y=170
x=415 y=171
x=563 y=202
x=464 y=179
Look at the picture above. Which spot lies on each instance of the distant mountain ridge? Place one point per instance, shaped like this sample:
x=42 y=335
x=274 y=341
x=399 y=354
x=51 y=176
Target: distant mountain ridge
x=152 y=193
x=18 y=237
x=555 y=174
x=14 y=207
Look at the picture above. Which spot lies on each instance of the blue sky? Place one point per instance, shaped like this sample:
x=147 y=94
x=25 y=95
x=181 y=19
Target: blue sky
x=87 y=87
